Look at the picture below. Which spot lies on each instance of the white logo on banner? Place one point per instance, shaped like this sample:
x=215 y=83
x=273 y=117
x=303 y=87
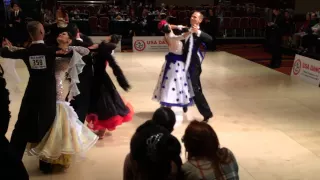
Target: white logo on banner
x=306 y=69
x=149 y=44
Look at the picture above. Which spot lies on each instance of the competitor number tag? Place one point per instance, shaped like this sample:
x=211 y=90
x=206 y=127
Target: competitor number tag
x=38 y=62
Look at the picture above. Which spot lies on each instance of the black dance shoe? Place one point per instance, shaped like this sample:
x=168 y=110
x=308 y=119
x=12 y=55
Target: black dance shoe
x=206 y=119
x=185 y=109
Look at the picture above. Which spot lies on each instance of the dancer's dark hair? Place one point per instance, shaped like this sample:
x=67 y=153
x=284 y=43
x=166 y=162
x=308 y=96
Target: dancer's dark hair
x=164 y=27
x=115 y=38
x=165 y=117
x=73 y=30
x=201 y=141
x=70 y=35
x=14 y=3
x=5 y=114
x=154 y=149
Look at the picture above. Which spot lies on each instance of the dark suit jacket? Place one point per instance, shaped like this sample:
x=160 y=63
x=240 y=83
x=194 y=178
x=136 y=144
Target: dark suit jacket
x=279 y=25
x=38 y=107
x=195 y=59
x=86 y=40
x=20 y=17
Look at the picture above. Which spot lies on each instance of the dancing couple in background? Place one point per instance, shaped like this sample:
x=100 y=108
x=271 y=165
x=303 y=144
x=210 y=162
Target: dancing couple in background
x=99 y=101
x=179 y=82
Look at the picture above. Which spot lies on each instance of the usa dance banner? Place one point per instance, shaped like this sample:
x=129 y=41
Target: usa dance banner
x=149 y=44
x=306 y=69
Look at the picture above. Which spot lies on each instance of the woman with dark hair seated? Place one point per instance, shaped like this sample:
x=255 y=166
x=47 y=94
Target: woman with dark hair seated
x=164 y=117
x=11 y=167
x=206 y=160
x=154 y=152
x=309 y=41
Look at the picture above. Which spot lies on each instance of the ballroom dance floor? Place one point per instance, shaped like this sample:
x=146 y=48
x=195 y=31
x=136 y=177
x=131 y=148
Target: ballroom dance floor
x=269 y=120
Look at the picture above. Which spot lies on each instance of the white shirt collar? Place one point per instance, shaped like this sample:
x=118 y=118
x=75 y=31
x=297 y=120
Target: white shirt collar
x=79 y=39
x=38 y=42
x=197 y=27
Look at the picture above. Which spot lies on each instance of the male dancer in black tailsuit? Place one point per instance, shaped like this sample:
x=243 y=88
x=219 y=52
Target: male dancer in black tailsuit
x=193 y=64
x=82 y=101
x=38 y=106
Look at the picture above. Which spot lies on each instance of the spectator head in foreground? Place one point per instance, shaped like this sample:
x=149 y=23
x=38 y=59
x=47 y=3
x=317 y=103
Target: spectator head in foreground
x=206 y=159
x=164 y=117
x=154 y=154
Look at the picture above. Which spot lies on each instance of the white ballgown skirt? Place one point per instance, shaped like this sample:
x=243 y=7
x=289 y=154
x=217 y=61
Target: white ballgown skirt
x=174 y=87
x=68 y=137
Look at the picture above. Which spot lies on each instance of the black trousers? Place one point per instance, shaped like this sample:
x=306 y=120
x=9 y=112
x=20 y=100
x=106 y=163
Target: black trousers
x=276 y=50
x=81 y=102
x=11 y=167
x=18 y=144
x=199 y=99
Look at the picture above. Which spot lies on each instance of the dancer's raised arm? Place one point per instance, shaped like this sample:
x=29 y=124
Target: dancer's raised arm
x=180 y=27
x=12 y=52
x=81 y=50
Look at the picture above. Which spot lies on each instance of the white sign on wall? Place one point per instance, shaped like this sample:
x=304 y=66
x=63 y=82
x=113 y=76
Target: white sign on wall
x=149 y=44
x=306 y=69
x=99 y=39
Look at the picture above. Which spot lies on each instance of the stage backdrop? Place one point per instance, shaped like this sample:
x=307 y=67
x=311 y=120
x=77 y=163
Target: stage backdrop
x=304 y=6
x=185 y=2
x=2 y=19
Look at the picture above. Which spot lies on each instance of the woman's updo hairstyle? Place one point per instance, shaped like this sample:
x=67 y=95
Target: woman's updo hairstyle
x=115 y=38
x=164 y=27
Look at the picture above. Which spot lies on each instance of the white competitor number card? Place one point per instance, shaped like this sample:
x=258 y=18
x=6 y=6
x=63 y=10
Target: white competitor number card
x=38 y=62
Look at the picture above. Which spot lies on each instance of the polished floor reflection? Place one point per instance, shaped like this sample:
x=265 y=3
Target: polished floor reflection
x=269 y=120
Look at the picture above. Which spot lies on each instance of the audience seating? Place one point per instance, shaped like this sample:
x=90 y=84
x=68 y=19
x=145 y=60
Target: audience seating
x=254 y=25
x=93 y=23
x=104 y=23
x=228 y=24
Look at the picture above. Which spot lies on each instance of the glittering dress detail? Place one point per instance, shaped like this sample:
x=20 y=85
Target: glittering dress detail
x=174 y=86
x=68 y=136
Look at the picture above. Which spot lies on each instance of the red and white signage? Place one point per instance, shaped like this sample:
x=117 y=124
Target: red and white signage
x=306 y=69
x=149 y=44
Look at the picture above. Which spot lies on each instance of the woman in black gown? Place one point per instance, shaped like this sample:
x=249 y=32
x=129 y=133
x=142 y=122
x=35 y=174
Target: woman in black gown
x=107 y=109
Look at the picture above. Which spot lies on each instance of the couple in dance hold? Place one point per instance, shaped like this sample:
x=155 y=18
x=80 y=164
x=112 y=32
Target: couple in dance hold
x=179 y=81
x=48 y=126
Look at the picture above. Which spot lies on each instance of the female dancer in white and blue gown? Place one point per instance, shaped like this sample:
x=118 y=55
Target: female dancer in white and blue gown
x=174 y=88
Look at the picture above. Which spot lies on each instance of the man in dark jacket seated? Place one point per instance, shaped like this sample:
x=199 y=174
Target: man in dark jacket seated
x=82 y=101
